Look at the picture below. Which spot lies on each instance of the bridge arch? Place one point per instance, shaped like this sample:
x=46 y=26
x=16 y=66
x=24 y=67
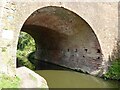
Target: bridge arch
x=14 y=14
x=64 y=38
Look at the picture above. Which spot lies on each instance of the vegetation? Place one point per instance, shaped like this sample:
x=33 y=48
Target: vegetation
x=9 y=82
x=26 y=45
x=114 y=70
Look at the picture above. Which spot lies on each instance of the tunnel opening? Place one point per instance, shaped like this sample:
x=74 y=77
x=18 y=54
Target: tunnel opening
x=64 y=38
x=25 y=55
x=26 y=46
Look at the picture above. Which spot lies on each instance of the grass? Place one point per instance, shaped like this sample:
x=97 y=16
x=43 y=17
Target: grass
x=114 y=70
x=9 y=82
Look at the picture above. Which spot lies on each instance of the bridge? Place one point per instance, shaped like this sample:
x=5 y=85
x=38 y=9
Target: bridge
x=78 y=35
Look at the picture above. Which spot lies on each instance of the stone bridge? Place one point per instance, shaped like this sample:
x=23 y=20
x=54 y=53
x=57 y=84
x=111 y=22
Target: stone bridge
x=78 y=35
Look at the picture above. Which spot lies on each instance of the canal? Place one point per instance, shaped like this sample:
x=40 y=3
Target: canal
x=59 y=77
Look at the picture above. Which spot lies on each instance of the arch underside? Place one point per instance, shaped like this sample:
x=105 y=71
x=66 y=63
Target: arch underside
x=63 y=38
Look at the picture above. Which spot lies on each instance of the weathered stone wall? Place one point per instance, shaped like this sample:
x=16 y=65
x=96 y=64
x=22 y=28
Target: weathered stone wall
x=101 y=16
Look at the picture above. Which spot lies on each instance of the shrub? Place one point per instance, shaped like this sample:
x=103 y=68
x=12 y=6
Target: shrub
x=114 y=70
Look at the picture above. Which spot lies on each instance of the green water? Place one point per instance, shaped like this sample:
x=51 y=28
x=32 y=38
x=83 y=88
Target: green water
x=71 y=79
x=59 y=77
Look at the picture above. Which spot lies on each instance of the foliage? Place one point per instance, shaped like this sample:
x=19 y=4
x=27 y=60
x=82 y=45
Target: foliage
x=26 y=42
x=23 y=61
x=9 y=82
x=26 y=45
x=114 y=70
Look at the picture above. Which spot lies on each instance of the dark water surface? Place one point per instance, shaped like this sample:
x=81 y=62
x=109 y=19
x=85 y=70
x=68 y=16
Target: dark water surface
x=58 y=77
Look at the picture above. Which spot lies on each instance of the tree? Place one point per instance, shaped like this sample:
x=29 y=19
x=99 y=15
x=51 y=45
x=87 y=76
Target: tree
x=26 y=45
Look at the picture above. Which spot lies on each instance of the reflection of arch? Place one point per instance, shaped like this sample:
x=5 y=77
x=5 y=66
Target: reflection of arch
x=64 y=38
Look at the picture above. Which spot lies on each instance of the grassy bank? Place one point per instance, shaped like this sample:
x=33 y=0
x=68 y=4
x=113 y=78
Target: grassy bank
x=114 y=71
x=9 y=82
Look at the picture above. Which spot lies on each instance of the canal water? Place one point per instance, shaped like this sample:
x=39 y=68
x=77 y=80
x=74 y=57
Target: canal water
x=59 y=77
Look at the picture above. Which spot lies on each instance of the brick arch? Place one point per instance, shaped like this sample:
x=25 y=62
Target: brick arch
x=64 y=38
